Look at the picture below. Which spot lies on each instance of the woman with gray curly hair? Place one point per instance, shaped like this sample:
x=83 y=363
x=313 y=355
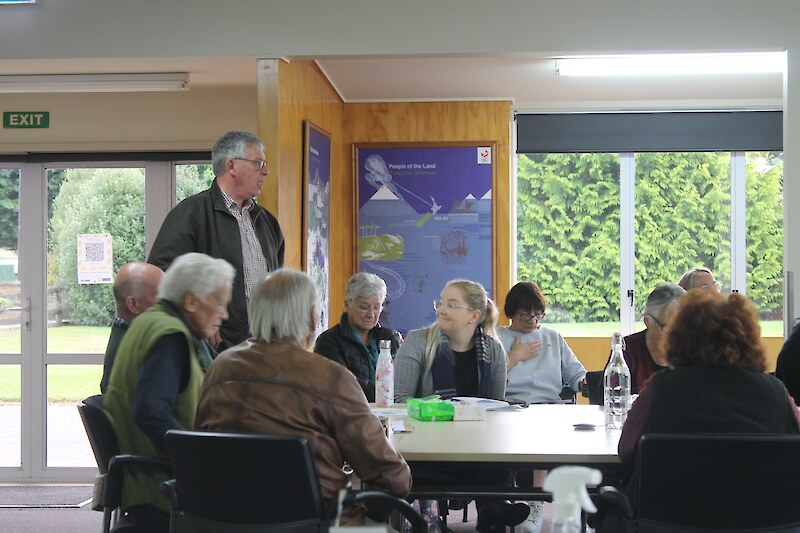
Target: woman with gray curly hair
x=355 y=341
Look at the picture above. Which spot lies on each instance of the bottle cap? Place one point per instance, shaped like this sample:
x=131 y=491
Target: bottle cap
x=385 y=344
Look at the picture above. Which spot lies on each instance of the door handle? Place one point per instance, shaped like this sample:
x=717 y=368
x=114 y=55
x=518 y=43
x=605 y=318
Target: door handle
x=27 y=310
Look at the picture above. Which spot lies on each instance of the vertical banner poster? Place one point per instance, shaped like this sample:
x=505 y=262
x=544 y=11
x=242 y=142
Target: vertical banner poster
x=316 y=218
x=424 y=218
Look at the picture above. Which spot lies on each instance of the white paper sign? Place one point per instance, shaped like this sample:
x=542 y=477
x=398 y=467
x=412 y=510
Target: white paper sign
x=95 y=258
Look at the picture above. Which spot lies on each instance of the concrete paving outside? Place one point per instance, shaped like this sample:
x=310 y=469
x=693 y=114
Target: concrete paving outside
x=67 y=444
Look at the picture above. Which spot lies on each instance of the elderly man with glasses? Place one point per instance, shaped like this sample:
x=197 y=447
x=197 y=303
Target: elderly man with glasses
x=224 y=222
x=355 y=340
x=642 y=350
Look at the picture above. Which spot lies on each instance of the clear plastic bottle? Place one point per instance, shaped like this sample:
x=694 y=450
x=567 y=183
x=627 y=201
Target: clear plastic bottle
x=616 y=386
x=384 y=376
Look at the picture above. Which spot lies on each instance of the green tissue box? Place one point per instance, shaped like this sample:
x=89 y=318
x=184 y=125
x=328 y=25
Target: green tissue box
x=430 y=409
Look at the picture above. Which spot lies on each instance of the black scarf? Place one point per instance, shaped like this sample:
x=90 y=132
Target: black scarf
x=443 y=367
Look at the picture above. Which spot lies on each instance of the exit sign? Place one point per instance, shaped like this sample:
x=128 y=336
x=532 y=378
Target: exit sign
x=26 y=119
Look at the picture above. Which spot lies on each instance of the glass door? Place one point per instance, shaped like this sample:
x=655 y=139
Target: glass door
x=11 y=313
x=95 y=225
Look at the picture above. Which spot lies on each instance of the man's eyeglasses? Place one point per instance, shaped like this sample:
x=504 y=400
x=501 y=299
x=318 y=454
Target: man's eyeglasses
x=527 y=317
x=449 y=306
x=662 y=326
x=260 y=163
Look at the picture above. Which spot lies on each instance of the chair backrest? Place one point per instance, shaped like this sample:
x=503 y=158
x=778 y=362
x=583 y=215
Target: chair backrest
x=245 y=479
x=594 y=384
x=100 y=431
x=568 y=395
x=718 y=481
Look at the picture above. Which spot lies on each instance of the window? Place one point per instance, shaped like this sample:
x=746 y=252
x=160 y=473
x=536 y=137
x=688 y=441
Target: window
x=664 y=192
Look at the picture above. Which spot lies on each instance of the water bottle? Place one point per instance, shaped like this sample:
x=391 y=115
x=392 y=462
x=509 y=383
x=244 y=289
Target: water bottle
x=384 y=376
x=616 y=386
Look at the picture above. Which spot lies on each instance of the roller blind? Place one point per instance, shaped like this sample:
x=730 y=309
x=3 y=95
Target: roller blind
x=650 y=132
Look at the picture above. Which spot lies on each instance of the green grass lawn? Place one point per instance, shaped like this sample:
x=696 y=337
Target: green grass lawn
x=70 y=383
x=67 y=383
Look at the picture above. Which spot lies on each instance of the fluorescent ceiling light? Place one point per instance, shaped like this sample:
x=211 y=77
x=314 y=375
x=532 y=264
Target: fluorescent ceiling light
x=672 y=64
x=94 y=83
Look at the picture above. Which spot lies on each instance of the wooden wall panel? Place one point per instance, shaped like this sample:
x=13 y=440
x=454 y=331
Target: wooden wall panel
x=441 y=122
x=593 y=351
x=290 y=94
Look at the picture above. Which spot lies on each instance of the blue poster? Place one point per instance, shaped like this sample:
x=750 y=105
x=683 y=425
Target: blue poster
x=317 y=217
x=424 y=218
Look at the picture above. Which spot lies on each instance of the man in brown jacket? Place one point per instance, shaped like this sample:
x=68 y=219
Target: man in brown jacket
x=273 y=384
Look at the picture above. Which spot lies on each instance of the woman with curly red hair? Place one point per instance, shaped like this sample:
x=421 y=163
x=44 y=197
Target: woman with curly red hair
x=716 y=381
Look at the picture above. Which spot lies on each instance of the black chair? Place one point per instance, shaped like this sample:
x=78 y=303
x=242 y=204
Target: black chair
x=107 y=493
x=594 y=387
x=705 y=483
x=568 y=395
x=238 y=482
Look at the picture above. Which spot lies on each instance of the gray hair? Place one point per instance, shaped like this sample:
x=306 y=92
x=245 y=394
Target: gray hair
x=364 y=284
x=232 y=146
x=282 y=304
x=662 y=296
x=687 y=280
x=195 y=273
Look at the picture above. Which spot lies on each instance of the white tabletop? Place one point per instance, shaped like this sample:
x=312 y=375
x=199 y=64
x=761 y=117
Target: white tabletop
x=536 y=434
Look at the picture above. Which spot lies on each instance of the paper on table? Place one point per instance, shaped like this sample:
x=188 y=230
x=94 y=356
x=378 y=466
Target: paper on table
x=488 y=403
x=399 y=426
x=389 y=411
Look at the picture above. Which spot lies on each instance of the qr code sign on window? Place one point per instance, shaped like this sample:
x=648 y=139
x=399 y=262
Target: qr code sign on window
x=95 y=252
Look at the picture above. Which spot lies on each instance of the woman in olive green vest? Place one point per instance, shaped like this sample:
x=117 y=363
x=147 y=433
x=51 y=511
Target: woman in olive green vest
x=156 y=377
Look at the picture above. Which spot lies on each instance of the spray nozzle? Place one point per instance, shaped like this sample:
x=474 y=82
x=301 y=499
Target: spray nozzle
x=568 y=486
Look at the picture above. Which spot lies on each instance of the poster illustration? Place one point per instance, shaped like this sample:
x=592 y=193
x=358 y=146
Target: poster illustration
x=316 y=219
x=424 y=218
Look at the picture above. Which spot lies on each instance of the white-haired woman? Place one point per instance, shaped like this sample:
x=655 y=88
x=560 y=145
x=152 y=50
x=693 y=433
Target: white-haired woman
x=273 y=384
x=156 y=377
x=355 y=340
x=459 y=356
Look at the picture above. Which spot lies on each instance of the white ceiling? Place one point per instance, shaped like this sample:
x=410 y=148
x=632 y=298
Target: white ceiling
x=527 y=80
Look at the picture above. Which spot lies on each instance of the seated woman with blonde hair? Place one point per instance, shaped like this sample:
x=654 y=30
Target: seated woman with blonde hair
x=459 y=356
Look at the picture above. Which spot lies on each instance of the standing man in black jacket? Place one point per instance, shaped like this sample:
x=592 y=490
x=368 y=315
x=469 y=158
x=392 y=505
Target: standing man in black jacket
x=354 y=341
x=224 y=222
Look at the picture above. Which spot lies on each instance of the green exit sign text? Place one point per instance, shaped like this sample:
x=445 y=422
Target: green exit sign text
x=26 y=119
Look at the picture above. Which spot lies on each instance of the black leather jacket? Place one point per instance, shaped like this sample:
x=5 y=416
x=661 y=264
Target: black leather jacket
x=202 y=223
x=338 y=344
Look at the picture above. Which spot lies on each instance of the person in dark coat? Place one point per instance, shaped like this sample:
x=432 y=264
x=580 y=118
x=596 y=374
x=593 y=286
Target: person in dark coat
x=224 y=222
x=788 y=367
x=355 y=340
x=135 y=291
x=716 y=381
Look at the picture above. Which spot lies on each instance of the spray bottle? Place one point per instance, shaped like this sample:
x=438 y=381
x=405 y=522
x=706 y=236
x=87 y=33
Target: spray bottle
x=568 y=486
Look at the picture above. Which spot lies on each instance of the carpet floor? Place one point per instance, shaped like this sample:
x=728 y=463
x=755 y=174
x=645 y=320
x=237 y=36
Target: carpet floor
x=37 y=508
x=43 y=496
